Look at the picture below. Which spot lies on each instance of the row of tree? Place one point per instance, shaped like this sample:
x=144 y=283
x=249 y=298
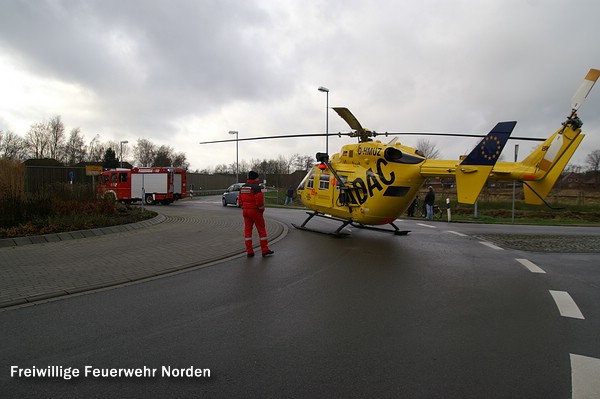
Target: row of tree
x=49 y=139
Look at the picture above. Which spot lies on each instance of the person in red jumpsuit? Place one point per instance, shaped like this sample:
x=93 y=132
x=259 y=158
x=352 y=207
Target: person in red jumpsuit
x=252 y=201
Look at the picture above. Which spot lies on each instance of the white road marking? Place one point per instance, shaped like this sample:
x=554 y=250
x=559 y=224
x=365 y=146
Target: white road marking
x=532 y=267
x=584 y=377
x=427 y=225
x=457 y=233
x=566 y=305
x=489 y=244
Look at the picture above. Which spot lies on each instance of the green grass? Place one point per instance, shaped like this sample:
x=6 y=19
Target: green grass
x=502 y=213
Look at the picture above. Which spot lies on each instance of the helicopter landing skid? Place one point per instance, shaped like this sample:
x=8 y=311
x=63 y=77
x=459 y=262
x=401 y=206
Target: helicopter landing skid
x=345 y=223
x=396 y=230
x=338 y=233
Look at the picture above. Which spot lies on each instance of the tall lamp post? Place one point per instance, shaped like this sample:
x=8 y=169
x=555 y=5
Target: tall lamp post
x=237 y=165
x=121 y=154
x=326 y=90
x=514 y=186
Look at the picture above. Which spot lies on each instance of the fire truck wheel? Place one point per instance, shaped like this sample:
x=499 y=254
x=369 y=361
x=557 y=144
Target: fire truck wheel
x=149 y=199
x=110 y=196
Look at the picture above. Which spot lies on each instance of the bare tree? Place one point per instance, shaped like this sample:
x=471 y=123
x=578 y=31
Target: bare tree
x=571 y=168
x=221 y=168
x=428 y=148
x=12 y=146
x=75 y=150
x=291 y=162
x=244 y=168
x=144 y=152
x=56 y=132
x=592 y=160
x=303 y=162
x=38 y=140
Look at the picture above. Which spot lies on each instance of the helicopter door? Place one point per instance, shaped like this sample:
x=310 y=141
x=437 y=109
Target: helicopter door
x=324 y=195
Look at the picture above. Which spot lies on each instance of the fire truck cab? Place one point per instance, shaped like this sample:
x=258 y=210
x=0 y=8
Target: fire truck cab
x=153 y=185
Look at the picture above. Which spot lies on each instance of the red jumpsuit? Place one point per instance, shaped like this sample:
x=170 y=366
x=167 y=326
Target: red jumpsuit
x=252 y=201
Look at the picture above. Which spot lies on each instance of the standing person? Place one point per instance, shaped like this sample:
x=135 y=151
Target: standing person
x=252 y=202
x=429 y=201
x=289 y=196
x=411 y=209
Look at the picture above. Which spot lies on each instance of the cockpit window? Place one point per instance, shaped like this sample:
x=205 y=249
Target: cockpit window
x=310 y=177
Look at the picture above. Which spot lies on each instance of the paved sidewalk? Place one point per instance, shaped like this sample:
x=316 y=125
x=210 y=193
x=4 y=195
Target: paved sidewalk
x=184 y=235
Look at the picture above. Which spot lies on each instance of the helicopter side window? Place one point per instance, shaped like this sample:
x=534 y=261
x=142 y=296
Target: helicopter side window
x=324 y=181
x=311 y=180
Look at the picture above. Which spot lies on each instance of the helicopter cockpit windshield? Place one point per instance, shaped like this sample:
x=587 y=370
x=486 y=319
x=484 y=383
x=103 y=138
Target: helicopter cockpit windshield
x=310 y=177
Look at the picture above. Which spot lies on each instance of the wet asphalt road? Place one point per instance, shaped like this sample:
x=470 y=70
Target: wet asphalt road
x=435 y=314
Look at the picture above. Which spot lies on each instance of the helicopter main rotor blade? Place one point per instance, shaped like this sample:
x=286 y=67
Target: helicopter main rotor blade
x=585 y=88
x=286 y=136
x=374 y=134
x=350 y=119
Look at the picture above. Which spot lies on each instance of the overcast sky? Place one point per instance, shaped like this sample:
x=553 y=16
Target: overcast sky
x=179 y=72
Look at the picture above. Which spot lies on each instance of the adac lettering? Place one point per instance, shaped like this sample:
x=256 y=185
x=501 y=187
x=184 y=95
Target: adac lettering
x=380 y=163
x=365 y=190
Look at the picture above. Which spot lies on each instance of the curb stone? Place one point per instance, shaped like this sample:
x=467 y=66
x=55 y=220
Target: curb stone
x=77 y=234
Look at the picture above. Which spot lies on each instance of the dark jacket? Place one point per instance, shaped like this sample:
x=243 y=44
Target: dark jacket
x=429 y=198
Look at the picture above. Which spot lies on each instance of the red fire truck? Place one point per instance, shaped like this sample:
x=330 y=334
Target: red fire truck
x=153 y=185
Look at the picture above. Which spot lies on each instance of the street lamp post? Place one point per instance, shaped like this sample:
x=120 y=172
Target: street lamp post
x=237 y=165
x=326 y=90
x=514 y=186
x=121 y=154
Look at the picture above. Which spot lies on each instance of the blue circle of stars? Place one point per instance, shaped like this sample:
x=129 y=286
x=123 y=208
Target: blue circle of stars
x=490 y=148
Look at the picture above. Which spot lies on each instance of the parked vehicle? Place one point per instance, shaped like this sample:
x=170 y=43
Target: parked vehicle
x=230 y=196
x=153 y=185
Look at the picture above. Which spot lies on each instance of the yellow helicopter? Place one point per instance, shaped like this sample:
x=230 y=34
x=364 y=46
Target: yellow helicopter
x=371 y=183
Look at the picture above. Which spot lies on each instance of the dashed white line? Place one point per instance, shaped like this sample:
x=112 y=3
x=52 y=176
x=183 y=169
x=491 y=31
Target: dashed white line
x=584 y=377
x=457 y=233
x=584 y=370
x=532 y=267
x=566 y=305
x=427 y=225
x=489 y=244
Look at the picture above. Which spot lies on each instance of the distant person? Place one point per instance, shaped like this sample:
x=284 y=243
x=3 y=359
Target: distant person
x=429 y=201
x=289 y=198
x=411 y=209
x=252 y=202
